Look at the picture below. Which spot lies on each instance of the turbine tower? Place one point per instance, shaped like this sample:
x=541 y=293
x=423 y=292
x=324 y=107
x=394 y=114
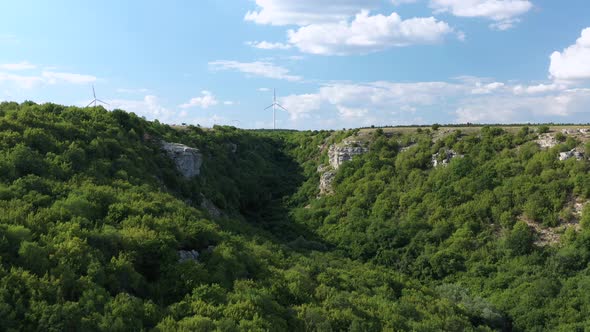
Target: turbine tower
x=274 y=109
x=95 y=100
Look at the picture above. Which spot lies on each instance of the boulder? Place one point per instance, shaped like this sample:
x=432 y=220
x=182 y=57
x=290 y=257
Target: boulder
x=573 y=153
x=188 y=160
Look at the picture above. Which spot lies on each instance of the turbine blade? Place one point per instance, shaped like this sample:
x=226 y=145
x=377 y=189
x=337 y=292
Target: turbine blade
x=269 y=107
x=90 y=103
x=281 y=106
x=100 y=101
x=93 y=92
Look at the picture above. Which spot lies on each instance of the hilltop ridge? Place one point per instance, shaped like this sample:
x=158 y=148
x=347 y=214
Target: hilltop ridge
x=111 y=222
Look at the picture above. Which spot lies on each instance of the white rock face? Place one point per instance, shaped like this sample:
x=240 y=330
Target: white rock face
x=326 y=180
x=341 y=154
x=574 y=153
x=546 y=141
x=447 y=157
x=188 y=160
x=185 y=255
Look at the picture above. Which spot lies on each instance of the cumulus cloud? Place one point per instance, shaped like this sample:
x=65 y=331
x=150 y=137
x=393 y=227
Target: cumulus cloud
x=367 y=33
x=45 y=77
x=509 y=109
x=23 y=65
x=481 y=89
x=150 y=107
x=537 y=89
x=257 y=68
x=264 y=45
x=471 y=99
x=206 y=100
x=305 y=12
x=573 y=63
x=52 y=77
x=300 y=106
x=504 y=13
x=352 y=112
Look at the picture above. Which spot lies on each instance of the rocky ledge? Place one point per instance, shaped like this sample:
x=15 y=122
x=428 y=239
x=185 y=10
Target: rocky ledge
x=341 y=154
x=188 y=160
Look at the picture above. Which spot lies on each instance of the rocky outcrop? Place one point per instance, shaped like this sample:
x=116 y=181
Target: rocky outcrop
x=447 y=156
x=188 y=160
x=343 y=153
x=185 y=255
x=232 y=147
x=327 y=175
x=573 y=153
x=546 y=141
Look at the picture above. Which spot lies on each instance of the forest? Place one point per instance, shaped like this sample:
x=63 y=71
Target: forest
x=93 y=215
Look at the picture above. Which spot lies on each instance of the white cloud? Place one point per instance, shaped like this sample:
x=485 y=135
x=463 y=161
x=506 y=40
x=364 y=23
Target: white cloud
x=299 y=106
x=263 y=89
x=150 y=107
x=23 y=65
x=21 y=81
x=206 y=100
x=481 y=89
x=573 y=64
x=504 y=12
x=228 y=103
x=510 y=109
x=350 y=113
x=538 y=89
x=52 y=77
x=470 y=99
x=304 y=12
x=257 y=68
x=367 y=34
x=264 y=45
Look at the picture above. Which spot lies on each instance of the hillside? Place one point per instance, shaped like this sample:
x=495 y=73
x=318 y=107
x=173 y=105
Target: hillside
x=413 y=229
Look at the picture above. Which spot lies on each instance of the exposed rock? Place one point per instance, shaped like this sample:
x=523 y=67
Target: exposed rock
x=406 y=148
x=340 y=154
x=326 y=180
x=232 y=147
x=188 y=160
x=550 y=235
x=573 y=153
x=211 y=208
x=446 y=159
x=185 y=255
x=546 y=141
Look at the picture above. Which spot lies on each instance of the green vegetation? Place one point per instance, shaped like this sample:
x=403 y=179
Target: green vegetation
x=93 y=214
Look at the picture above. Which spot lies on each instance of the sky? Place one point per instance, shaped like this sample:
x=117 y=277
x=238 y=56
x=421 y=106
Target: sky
x=334 y=63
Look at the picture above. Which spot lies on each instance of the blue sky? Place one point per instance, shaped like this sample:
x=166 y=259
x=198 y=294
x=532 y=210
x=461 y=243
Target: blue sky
x=334 y=63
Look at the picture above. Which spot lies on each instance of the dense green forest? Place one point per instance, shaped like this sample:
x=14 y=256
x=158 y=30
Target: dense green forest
x=93 y=215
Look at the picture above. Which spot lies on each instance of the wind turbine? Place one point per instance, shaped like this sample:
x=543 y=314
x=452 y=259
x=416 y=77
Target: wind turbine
x=96 y=99
x=274 y=108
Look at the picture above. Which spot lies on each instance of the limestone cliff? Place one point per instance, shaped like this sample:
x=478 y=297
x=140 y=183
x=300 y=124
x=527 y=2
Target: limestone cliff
x=339 y=154
x=188 y=160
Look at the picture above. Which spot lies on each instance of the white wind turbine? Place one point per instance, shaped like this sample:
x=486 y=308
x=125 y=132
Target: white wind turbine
x=95 y=100
x=274 y=109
